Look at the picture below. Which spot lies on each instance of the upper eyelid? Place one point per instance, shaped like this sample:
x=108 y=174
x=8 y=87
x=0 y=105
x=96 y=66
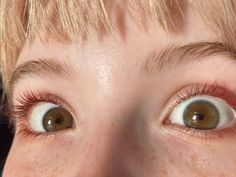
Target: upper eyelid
x=27 y=99
x=41 y=67
x=195 y=89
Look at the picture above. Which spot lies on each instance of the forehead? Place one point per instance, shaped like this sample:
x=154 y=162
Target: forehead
x=68 y=20
x=128 y=35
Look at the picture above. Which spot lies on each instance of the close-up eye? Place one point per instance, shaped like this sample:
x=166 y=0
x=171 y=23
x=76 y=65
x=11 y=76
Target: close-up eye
x=49 y=117
x=203 y=113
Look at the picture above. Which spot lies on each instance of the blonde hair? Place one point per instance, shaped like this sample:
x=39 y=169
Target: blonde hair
x=23 y=19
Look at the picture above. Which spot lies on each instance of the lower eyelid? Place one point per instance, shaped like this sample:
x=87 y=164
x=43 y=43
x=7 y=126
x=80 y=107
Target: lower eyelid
x=194 y=135
x=27 y=134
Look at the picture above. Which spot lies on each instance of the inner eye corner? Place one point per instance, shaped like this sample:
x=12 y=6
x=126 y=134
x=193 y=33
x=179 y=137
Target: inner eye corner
x=166 y=121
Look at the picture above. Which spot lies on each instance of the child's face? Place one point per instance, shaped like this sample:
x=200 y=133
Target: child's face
x=132 y=115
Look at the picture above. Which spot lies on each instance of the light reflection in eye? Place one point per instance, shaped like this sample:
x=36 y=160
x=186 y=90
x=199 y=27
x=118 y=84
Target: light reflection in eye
x=49 y=117
x=203 y=112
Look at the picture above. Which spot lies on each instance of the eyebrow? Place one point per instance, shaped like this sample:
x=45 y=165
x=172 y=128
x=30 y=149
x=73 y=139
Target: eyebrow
x=173 y=55
x=40 y=67
x=176 y=55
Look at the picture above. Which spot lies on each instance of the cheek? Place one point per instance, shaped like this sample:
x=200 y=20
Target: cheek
x=49 y=159
x=172 y=156
x=182 y=160
x=222 y=157
x=201 y=159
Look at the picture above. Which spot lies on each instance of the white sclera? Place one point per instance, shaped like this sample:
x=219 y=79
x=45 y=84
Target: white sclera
x=226 y=113
x=37 y=115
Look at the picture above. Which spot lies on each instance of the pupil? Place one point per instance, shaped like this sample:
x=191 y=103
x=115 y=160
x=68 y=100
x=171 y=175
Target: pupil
x=198 y=116
x=58 y=120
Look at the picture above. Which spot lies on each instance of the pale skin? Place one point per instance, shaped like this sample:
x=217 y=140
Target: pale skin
x=119 y=110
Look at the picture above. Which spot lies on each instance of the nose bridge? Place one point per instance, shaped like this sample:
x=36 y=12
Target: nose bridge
x=112 y=129
x=102 y=153
x=107 y=143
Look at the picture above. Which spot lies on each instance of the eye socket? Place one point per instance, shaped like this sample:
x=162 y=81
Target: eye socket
x=49 y=117
x=203 y=113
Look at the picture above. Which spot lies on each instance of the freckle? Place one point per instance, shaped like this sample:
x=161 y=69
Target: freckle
x=171 y=161
x=90 y=146
x=193 y=159
x=137 y=147
x=222 y=175
x=180 y=155
x=163 y=173
x=208 y=145
x=153 y=157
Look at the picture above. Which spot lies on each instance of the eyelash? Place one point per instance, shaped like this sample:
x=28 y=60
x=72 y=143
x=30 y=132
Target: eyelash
x=19 y=112
x=205 y=90
x=28 y=99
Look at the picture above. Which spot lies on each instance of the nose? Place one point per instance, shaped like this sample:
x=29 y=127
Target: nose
x=112 y=148
x=102 y=157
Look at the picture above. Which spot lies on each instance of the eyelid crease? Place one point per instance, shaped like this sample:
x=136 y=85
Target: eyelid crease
x=177 y=55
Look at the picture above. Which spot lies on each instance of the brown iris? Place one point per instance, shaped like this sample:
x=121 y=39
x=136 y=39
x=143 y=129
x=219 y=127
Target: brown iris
x=57 y=119
x=202 y=115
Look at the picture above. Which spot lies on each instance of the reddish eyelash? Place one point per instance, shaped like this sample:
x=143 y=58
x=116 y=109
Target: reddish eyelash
x=19 y=112
x=199 y=89
x=210 y=90
x=214 y=90
x=28 y=99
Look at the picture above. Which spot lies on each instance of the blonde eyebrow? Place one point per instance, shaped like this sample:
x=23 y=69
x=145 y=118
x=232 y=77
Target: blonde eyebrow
x=41 y=67
x=176 y=55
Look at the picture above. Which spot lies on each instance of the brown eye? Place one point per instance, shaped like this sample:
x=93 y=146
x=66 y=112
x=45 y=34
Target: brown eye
x=203 y=113
x=48 y=117
x=57 y=119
